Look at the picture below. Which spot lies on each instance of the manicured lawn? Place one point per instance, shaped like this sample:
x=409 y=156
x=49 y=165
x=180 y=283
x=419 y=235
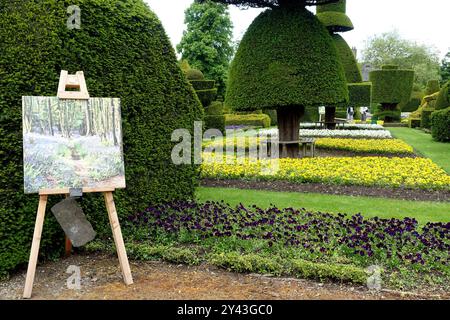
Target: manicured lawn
x=368 y=206
x=439 y=152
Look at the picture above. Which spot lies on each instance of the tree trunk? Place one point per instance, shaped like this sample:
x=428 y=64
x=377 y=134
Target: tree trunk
x=114 y=123
x=330 y=118
x=389 y=107
x=288 y=126
x=50 y=118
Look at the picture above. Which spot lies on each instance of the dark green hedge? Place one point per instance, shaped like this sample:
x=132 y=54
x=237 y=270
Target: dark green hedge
x=433 y=86
x=440 y=123
x=286 y=58
x=203 y=84
x=348 y=60
x=254 y=120
x=443 y=99
x=215 y=122
x=214 y=109
x=124 y=52
x=391 y=85
x=385 y=115
x=360 y=93
x=390 y=67
x=206 y=96
x=336 y=21
x=425 y=120
x=414 y=123
x=413 y=104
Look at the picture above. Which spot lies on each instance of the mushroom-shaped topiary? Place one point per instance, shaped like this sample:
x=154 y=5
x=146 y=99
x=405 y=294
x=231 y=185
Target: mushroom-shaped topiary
x=286 y=61
x=390 y=86
x=124 y=52
x=334 y=16
x=194 y=74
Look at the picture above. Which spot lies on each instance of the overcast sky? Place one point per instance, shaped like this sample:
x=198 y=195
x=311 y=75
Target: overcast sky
x=426 y=22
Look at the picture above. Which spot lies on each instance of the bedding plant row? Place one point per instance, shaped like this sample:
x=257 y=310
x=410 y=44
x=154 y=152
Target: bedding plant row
x=413 y=173
x=292 y=242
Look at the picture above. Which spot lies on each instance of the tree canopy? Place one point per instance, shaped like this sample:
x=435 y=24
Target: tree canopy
x=390 y=48
x=273 y=3
x=445 y=68
x=207 y=42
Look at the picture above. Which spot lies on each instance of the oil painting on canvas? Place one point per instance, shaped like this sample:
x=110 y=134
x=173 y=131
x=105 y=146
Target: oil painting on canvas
x=72 y=144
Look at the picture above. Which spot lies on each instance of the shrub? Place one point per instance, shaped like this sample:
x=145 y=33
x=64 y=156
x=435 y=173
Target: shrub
x=432 y=87
x=413 y=104
x=215 y=108
x=440 y=124
x=286 y=58
x=348 y=60
x=443 y=98
x=391 y=85
x=206 y=96
x=333 y=16
x=124 y=52
x=194 y=74
x=360 y=93
x=425 y=121
x=414 y=123
x=215 y=122
x=388 y=115
x=256 y=120
x=203 y=84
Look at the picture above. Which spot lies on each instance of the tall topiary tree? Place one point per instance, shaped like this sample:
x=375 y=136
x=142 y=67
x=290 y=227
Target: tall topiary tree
x=207 y=42
x=390 y=86
x=334 y=17
x=285 y=61
x=125 y=53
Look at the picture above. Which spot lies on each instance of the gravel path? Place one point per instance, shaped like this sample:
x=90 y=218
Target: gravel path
x=101 y=279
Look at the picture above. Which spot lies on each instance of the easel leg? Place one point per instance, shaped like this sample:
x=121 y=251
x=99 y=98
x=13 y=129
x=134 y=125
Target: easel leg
x=118 y=239
x=35 y=246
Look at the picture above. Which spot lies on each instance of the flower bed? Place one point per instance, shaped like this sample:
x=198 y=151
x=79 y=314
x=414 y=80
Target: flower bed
x=393 y=146
x=354 y=134
x=347 y=126
x=275 y=240
x=414 y=173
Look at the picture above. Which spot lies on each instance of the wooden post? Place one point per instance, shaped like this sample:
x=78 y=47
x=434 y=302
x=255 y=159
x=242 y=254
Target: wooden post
x=118 y=239
x=67 y=243
x=35 y=246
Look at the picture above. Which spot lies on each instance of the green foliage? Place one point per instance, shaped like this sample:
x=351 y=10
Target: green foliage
x=440 y=124
x=414 y=123
x=273 y=116
x=360 y=93
x=194 y=74
x=286 y=58
x=247 y=263
x=425 y=121
x=432 y=87
x=203 y=84
x=215 y=122
x=413 y=104
x=184 y=66
x=206 y=96
x=388 y=115
x=254 y=120
x=390 y=48
x=443 y=98
x=272 y=3
x=389 y=67
x=334 y=17
x=322 y=271
x=215 y=108
x=125 y=53
x=445 y=68
x=207 y=41
x=391 y=85
x=348 y=60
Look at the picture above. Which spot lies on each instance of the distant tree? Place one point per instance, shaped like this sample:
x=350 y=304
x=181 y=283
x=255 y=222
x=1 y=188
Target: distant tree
x=207 y=42
x=445 y=68
x=390 y=49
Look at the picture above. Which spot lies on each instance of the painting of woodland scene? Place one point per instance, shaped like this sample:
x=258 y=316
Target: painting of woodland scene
x=72 y=143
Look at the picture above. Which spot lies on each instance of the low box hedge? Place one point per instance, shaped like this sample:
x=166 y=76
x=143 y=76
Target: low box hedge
x=425 y=121
x=254 y=120
x=215 y=122
x=440 y=124
x=203 y=84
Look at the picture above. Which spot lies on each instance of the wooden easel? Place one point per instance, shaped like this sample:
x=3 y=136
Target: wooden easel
x=76 y=82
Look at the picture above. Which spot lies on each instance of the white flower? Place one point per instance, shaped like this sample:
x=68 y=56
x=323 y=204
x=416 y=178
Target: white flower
x=358 y=134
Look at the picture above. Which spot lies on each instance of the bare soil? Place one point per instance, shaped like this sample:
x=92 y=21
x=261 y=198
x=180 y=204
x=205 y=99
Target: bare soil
x=101 y=279
x=286 y=186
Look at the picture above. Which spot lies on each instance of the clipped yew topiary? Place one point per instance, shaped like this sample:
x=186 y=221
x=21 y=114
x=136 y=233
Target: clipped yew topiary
x=334 y=16
x=360 y=93
x=286 y=61
x=391 y=86
x=433 y=86
x=440 y=123
x=348 y=60
x=124 y=52
x=443 y=98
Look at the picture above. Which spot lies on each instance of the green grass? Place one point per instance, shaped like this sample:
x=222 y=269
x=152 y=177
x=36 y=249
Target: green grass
x=424 y=144
x=423 y=211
